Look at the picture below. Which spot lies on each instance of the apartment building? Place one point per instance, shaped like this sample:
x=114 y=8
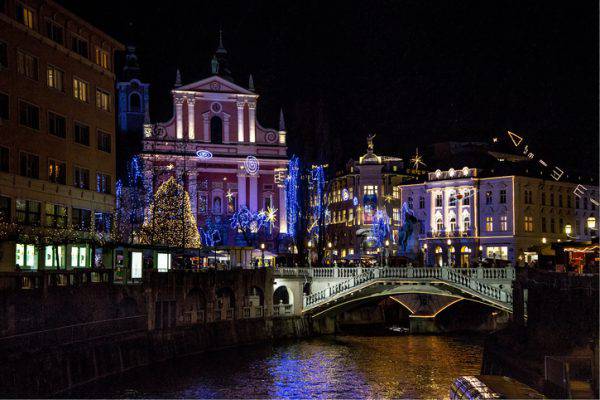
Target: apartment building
x=57 y=128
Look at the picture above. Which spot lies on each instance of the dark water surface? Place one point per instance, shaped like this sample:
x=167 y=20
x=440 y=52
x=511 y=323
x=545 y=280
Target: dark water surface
x=332 y=367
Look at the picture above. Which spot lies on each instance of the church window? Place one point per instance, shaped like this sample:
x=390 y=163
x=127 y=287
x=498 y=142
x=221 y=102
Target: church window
x=135 y=103
x=216 y=130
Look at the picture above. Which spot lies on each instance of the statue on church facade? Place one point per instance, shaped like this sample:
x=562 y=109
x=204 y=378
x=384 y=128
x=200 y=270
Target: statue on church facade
x=370 y=145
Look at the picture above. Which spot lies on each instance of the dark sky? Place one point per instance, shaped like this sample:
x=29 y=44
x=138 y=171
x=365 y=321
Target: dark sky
x=414 y=72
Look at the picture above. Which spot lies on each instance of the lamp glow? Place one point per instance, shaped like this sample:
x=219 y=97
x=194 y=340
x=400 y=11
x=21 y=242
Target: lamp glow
x=591 y=223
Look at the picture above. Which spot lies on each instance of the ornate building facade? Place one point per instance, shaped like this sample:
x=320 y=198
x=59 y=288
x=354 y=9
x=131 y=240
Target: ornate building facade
x=356 y=194
x=225 y=159
x=468 y=214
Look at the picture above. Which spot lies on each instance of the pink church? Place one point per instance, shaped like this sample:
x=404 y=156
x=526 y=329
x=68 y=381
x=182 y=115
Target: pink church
x=224 y=157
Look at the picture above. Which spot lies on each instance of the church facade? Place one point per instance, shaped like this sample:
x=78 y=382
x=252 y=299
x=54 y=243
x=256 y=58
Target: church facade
x=223 y=156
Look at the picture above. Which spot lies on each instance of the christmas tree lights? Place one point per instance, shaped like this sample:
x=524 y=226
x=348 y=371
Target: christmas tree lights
x=170 y=221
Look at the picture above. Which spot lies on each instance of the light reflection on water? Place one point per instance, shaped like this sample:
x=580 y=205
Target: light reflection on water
x=336 y=367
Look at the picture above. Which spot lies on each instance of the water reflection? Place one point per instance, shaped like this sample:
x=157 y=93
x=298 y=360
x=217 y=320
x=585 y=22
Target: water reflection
x=338 y=367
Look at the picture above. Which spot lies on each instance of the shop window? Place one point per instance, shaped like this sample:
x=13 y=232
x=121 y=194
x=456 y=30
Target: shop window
x=163 y=262
x=80 y=257
x=26 y=256
x=55 y=257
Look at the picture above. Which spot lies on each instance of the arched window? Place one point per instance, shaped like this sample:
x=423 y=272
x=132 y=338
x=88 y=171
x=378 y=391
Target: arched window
x=466 y=223
x=216 y=208
x=453 y=224
x=135 y=102
x=439 y=224
x=216 y=130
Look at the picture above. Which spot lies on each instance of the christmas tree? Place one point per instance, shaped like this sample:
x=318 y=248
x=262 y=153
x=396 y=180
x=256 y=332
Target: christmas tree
x=170 y=221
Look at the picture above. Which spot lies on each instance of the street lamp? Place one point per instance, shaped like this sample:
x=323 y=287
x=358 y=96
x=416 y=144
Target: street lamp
x=568 y=230
x=449 y=243
x=387 y=252
x=262 y=250
x=425 y=255
x=591 y=223
x=309 y=245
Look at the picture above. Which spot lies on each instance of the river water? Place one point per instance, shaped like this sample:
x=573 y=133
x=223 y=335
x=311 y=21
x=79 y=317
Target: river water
x=330 y=367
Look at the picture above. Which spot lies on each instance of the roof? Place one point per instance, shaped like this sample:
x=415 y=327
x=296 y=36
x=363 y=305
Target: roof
x=225 y=86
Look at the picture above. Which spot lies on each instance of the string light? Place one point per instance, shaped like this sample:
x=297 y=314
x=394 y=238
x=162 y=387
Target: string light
x=170 y=221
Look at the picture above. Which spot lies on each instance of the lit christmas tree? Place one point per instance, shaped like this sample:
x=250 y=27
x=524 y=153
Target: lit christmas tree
x=170 y=221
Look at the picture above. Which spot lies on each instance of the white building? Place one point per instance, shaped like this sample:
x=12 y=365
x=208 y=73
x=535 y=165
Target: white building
x=465 y=215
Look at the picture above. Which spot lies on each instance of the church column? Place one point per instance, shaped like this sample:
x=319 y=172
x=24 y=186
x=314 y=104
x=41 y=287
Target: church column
x=191 y=118
x=282 y=210
x=254 y=193
x=252 y=121
x=240 y=115
x=225 y=128
x=179 y=116
x=206 y=119
x=241 y=187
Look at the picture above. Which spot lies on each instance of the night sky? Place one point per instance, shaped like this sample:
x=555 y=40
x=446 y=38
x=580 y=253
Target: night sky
x=413 y=72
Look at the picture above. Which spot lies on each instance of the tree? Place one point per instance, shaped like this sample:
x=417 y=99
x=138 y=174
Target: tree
x=131 y=202
x=170 y=220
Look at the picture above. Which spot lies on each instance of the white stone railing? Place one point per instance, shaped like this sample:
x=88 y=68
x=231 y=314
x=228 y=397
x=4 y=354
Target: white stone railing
x=491 y=274
x=475 y=281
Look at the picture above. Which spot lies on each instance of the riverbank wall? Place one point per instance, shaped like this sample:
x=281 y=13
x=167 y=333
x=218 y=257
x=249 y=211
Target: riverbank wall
x=50 y=370
x=68 y=328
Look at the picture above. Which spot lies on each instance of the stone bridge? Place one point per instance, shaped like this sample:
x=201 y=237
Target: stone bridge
x=327 y=291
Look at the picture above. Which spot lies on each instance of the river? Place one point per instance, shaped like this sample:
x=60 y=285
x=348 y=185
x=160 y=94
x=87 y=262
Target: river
x=327 y=367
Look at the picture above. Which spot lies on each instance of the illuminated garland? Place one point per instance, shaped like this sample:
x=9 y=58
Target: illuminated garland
x=291 y=195
x=170 y=220
x=317 y=175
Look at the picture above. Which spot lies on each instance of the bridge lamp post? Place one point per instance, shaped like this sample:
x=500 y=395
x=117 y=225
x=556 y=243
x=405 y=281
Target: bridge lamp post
x=387 y=252
x=262 y=251
x=425 y=255
x=330 y=252
x=309 y=245
x=449 y=243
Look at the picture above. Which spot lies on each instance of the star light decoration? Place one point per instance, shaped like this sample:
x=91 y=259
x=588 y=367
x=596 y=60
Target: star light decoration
x=229 y=195
x=417 y=160
x=270 y=215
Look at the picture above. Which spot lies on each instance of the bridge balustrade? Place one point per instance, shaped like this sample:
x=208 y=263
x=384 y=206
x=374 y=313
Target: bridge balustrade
x=467 y=278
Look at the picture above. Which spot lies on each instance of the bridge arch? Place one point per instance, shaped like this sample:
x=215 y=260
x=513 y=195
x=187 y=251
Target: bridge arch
x=386 y=291
x=282 y=295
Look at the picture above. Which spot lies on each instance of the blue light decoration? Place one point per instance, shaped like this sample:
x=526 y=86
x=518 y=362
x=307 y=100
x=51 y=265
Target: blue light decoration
x=355 y=201
x=291 y=195
x=204 y=154
x=247 y=220
x=317 y=175
x=210 y=234
x=134 y=172
x=381 y=227
x=119 y=193
x=345 y=194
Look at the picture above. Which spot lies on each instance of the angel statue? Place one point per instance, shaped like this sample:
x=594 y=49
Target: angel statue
x=370 y=138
